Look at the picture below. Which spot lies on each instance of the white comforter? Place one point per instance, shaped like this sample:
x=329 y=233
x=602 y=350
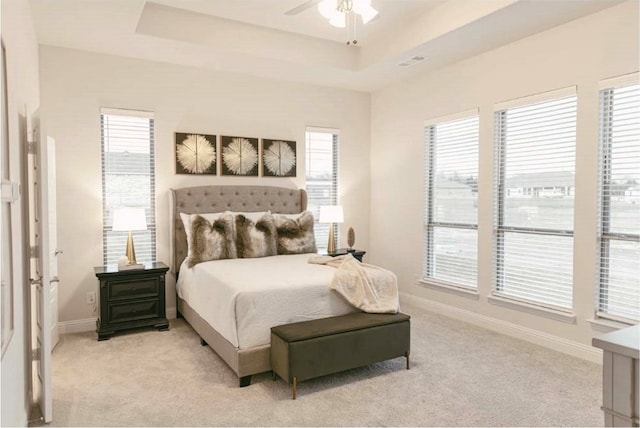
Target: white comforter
x=243 y=298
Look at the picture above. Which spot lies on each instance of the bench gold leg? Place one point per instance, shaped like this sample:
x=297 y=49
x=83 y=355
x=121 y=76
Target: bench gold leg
x=407 y=360
x=294 y=387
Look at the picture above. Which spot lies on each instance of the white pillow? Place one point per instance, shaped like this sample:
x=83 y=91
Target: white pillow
x=295 y=216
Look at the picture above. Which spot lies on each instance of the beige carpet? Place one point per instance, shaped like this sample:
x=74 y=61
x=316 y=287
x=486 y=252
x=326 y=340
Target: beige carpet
x=461 y=375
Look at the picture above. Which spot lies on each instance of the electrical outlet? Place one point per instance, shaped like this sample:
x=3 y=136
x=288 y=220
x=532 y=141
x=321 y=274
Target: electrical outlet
x=91 y=297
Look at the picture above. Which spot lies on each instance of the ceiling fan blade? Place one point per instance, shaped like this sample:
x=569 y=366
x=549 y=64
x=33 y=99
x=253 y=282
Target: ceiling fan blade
x=302 y=7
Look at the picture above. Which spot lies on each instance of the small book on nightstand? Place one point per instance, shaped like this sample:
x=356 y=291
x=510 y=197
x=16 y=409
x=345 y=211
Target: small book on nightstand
x=131 y=267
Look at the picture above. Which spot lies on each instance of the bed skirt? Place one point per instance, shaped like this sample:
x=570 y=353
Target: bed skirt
x=244 y=362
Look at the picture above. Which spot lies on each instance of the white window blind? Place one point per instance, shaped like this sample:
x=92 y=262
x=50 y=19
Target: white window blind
x=128 y=180
x=321 y=178
x=535 y=167
x=619 y=234
x=451 y=203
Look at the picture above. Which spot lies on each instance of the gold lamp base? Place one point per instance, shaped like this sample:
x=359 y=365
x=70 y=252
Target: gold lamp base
x=131 y=252
x=331 y=246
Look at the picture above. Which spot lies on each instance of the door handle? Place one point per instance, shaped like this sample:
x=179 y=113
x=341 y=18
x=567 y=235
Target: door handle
x=37 y=281
x=57 y=251
x=54 y=279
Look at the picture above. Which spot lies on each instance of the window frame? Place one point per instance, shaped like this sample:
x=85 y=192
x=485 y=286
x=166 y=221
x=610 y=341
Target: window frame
x=500 y=229
x=334 y=196
x=429 y=224
x=151 y=216
x=605 y=179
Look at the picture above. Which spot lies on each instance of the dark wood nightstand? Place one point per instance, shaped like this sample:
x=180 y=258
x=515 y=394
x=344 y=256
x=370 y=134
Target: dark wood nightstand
x=358 y=254
x=131 y=298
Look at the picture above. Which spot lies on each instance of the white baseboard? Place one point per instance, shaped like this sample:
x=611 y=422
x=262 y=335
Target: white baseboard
x=89 y=324
x=172 y=313
x=77 y=326
x=559 y=344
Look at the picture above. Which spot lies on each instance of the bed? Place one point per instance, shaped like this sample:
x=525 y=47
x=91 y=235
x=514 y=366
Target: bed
x=232 y=304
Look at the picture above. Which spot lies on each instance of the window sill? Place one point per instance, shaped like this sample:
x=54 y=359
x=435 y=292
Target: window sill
x=605 y=325
x=462 y=291
x=553 y=314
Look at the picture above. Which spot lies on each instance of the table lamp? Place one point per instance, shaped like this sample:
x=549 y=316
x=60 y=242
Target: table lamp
x=128 y=220
x=331 y=214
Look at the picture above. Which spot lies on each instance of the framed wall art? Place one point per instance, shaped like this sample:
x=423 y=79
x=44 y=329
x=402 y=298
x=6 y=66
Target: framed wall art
x=196 y=154
x=239 y=156
x=278 y=158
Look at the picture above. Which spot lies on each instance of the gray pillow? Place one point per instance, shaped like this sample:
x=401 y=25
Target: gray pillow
x=255 y=238
x=295 y=234
x=211 y=240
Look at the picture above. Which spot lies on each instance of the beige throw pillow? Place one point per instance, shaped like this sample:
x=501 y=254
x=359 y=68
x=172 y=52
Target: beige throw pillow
x=255 y=238
x=295 y=234
x=211 y=240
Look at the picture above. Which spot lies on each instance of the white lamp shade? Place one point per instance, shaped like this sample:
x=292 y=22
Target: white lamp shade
x=360 y=5
x=331 y=214
x=339 y=20
x=368 y=14
x=128 y=219
x=328 y=8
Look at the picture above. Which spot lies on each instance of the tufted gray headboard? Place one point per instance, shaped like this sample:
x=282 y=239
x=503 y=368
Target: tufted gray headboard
x=211 y=199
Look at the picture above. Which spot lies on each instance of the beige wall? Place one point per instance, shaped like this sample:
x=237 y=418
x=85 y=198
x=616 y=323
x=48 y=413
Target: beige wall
x=381 y=147
x=579 y=53
x=19 y=37
x=76 y=84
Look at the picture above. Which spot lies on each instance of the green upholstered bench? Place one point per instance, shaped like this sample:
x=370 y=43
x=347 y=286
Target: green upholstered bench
x=309 y=349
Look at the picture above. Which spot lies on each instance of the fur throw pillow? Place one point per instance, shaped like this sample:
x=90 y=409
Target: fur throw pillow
x=211 y=240
x=295 y=234
x=255 y=238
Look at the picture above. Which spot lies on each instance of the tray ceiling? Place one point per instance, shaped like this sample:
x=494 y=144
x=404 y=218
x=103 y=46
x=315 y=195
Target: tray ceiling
x=258 y=37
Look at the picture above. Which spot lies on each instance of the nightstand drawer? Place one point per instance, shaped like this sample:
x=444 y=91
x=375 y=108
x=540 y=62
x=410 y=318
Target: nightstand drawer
x=139 y=289
x=122 y=312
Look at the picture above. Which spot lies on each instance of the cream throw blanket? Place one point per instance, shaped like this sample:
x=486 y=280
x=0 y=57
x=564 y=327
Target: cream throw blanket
x=367 y=287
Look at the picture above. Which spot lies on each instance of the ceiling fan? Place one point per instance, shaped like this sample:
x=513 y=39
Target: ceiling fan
x=302 y=7
x=341 y=13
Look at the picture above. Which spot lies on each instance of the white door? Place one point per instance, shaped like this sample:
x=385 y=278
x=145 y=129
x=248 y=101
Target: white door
x=45 y=267
x=52 y=235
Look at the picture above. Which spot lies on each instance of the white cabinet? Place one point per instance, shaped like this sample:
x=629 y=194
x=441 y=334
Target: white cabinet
x=620 y=376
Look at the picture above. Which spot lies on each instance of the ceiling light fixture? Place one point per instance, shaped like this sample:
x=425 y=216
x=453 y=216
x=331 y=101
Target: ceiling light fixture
x=342 y=14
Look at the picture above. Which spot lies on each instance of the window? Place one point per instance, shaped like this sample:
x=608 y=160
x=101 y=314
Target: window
x=128 y=180
x=322 y=177
x=535 y=142
x=451 y=211
x=619 y=234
